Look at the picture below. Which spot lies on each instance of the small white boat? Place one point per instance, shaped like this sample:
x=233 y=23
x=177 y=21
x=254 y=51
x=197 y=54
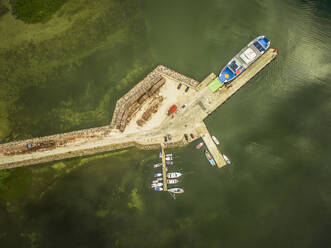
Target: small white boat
x=168 y=158
x=167 y=155
x=169 y=162
x=157 y=180
x=176 y=190
x=172 y=181
x=215 y=140
x=154 y=185
x=199 y=145
x=174 y=175
x=227 y=160
x=157 y=165
x=158 y=189
x=158 y=175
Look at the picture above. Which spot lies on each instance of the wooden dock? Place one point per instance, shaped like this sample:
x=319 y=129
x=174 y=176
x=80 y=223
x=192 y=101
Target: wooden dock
x=164 y=169
x=211 y=146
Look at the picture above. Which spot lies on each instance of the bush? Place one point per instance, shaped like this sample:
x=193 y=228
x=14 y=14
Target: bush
x=32 y=11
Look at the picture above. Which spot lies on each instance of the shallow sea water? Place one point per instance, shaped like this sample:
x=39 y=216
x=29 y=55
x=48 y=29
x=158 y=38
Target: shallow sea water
x=276 y=131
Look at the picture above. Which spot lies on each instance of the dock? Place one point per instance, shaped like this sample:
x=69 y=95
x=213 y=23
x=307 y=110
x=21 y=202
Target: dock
x=164 y=169
x=141 y=119
x=211 y=146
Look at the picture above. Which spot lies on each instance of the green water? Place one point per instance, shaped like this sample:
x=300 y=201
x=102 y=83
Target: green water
x=66 y=75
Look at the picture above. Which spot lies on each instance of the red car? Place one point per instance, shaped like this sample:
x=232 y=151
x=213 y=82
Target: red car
x=192 y=136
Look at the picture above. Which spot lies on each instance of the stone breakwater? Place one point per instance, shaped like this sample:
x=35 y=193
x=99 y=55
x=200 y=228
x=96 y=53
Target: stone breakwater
x=131 y=102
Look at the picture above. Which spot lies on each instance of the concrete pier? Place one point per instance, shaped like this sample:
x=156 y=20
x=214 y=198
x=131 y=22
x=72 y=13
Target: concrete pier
x=211 y=146
x=142 y=121
x=164 y=169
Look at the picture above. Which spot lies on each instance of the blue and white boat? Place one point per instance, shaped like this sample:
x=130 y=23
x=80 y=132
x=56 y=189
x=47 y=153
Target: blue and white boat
x=239 y=63
x=210 y=158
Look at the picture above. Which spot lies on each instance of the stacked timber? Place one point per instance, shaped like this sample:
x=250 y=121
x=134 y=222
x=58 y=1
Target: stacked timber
x=127 y=106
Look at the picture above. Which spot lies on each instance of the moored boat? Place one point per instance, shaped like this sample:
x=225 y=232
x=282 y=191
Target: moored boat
x=227 y=160
x=172 y=181
x=154 y=185
x=174 y=174
x=176 y=190
x=240 y=62
x=158 y=189
x=215 y=140
x=199 y=145
x=157 y=165
x=157 y=180
x=158 y=175
x=210 y=158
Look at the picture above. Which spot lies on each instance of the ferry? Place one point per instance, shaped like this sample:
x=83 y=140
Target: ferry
x=172 y=181
x=215 y=140
x=199 y=145
x=174 y=175
x=210 y=158
x=239 y=63
x=176 y=190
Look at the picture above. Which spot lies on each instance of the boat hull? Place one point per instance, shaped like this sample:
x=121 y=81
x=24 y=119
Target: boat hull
x=210 y=158
x=245 y=58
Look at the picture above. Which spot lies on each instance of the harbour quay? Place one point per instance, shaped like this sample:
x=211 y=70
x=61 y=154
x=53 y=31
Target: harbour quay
x=165 y=109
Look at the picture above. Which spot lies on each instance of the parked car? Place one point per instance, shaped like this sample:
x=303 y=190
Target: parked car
x=192 y=136
x=186 y=137
x=184 y=105
x=187 y=88
x=165 y=139
x=169 y=137
x=179 y=85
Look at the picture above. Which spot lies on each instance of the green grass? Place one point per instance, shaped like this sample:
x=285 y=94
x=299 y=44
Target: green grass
x=33 y=11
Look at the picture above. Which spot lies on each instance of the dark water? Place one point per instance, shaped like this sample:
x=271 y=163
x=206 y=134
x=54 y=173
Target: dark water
x=276 y=131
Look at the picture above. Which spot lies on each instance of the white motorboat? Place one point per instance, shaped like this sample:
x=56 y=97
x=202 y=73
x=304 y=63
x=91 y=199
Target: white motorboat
x=174 y=175
x=215 y=140
x=158 y=175
x=199 y=145
x=227 y=160
x=172 y=181
x=168 y=158
x=157 y=180
x=169 y=162
x=158 y=189
x=176 y=190
x=154 y=185
x=157 y=165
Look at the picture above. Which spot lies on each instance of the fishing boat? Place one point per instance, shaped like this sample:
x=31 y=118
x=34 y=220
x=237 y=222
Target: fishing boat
x=227 y=160
x=210 y=158
x=158 y=175
x=157 y=165
x=172 y=181
x=176 y=190
x=174 y=175
x=158 y=189
x=199 y=145
x=215 y=140
x=154 y=185
x=246 y=57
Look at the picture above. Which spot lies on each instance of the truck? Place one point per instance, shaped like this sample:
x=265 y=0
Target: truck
x=172 y=109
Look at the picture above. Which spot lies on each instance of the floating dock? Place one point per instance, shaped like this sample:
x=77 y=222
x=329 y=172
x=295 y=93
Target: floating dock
x=140 y=119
